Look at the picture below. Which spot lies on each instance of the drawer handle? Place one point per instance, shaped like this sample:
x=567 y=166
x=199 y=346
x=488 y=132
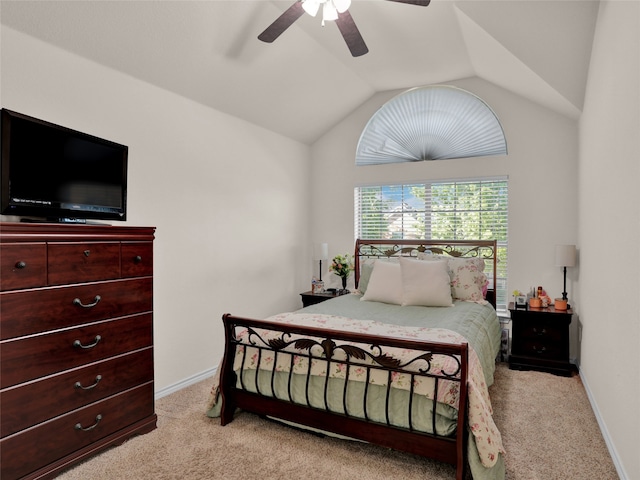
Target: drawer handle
x=79 y=425
x=79 y=344
x=539 y=333
x=90 y=387
x=96 y=300
x=540 y=350
x=137 y=259
x=20 y=265
x=87 y=253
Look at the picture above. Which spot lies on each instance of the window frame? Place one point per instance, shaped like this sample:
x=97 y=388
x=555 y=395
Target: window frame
x=404 y=215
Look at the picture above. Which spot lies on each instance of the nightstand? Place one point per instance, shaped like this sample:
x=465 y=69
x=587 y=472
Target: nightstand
x=540 y=340
x=309 y=298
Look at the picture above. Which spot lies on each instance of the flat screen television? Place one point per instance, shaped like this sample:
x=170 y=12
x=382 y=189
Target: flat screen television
x=59 y=174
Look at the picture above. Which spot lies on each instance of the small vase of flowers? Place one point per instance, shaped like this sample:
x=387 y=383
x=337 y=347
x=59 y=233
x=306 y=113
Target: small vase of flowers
x=342 y=266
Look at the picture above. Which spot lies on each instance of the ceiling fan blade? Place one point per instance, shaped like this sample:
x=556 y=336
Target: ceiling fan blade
x=422 y=3
x=351 y=34
x=283 y=22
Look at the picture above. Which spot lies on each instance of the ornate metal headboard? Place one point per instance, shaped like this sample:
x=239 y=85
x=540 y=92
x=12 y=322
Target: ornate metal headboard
x=485 y=249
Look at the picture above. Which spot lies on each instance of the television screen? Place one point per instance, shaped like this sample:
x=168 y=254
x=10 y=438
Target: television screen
x=60 y=174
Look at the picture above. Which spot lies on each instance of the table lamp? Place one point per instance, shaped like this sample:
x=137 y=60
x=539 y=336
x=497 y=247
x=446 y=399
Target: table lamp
x=565 y=257
x=320 y=253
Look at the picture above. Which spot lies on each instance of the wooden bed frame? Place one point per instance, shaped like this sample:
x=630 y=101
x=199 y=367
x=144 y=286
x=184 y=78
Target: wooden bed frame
x=319 y=343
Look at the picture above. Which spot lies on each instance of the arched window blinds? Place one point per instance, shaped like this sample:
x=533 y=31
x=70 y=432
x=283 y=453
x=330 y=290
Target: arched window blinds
x=431 y=123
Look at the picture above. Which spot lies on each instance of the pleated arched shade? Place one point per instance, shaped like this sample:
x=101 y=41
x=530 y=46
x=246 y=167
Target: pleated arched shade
x=431 y=123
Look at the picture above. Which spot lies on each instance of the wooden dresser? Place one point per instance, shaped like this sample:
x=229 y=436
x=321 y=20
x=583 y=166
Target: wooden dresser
x=76 y=343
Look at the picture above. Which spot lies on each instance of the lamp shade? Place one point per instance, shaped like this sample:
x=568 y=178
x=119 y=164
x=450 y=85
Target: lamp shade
x=321 y=251
x=565 y=255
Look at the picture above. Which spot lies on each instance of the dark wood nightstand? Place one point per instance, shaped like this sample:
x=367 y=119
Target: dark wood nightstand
x=309 y=298
x=540 y=340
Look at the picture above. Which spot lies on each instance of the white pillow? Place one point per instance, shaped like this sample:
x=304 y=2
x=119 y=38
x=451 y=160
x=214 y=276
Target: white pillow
x=425 y=283
x=385 y=283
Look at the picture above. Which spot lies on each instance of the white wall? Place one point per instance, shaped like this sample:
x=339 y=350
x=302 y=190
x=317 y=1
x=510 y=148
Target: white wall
x=542 y=166
x=229 y=200
x=609 y=233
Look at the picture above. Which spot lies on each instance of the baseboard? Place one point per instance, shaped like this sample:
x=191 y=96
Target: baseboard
x=185 y=383
x=603 y=428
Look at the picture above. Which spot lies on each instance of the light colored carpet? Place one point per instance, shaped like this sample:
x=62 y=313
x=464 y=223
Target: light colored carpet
x=548 y=428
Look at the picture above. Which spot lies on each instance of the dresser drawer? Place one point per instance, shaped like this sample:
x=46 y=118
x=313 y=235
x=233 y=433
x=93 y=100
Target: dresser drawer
x=34 y=402
x=44 y=309
x=542 y=339
x=83 y=262
x=540 y=348
x=23 y=265
x=540 y=332
x=36 y=356
x=30 y=449
x=136 y=259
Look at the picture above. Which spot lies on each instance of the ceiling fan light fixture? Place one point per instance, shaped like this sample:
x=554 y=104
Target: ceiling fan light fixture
x=329 y=12
x=311 y=7
x=335 y=10
x=330 y=8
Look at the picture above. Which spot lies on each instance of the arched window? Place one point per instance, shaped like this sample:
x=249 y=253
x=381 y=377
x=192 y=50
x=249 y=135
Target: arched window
x=435 y=122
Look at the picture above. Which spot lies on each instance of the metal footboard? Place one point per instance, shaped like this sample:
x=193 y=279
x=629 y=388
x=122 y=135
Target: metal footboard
x=344 y=351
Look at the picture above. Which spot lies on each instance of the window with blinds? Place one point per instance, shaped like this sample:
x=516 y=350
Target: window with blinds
x=474 y=209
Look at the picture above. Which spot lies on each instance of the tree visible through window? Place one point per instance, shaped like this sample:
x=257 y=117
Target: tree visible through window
x=453 y=210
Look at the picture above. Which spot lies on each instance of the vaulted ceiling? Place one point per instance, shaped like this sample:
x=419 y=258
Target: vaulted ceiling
x=307 y=81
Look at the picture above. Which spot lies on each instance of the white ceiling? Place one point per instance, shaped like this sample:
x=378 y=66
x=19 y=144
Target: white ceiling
x=307 y=81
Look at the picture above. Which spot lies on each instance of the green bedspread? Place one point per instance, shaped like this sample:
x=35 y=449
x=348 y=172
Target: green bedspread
x=479 y=324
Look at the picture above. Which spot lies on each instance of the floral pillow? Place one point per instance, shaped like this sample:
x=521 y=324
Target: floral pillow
x=468 y=281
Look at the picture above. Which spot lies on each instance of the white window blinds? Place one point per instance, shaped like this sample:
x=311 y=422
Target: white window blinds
x=473 y=209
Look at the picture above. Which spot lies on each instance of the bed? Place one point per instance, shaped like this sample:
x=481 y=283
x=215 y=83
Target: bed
x=391 y=364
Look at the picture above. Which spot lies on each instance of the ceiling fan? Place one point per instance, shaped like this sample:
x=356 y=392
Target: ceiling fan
x=337 y=10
